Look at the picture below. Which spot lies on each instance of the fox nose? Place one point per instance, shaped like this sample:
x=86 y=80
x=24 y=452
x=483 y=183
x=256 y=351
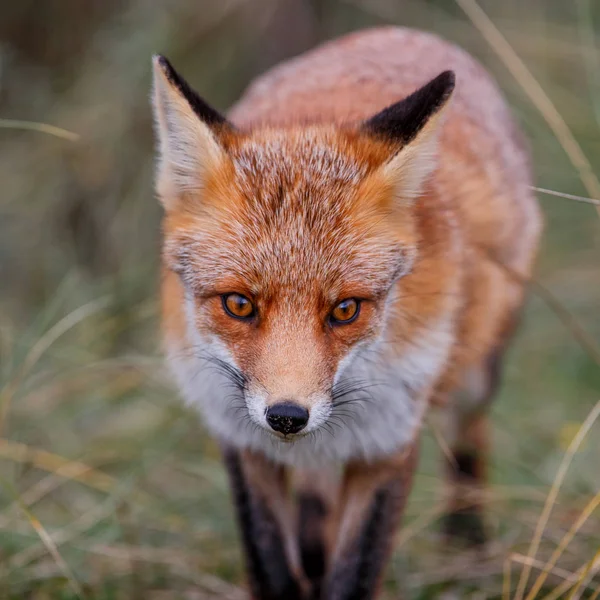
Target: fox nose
x=287 y=417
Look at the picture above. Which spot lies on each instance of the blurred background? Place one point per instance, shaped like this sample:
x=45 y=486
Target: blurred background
x=109 y=488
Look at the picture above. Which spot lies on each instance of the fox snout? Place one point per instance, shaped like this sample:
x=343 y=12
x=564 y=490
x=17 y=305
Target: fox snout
x=287 y=417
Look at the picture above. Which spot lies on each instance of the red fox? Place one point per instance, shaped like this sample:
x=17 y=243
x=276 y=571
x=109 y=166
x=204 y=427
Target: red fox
x=339 y=255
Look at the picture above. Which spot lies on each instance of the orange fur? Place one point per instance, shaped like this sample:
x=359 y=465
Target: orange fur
x=297 y=205
x=477 y=198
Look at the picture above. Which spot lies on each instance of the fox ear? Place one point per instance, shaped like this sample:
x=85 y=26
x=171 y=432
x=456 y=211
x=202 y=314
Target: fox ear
x=411 y=127
x=188 y=132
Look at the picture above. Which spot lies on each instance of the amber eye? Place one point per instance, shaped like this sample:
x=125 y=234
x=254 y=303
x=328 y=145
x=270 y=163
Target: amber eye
x=238 y=306
x=345 y=312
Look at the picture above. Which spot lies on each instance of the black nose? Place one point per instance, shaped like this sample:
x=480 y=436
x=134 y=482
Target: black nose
x=287 y=417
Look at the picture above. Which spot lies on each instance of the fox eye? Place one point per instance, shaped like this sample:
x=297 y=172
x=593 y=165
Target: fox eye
x=345 y=312
x=238 y=306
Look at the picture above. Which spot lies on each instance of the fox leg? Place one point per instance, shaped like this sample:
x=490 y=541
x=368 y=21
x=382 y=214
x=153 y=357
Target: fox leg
x=316 y=494
x=470 y=441
x=466 y=477
x=373 y=499
x=267 y=526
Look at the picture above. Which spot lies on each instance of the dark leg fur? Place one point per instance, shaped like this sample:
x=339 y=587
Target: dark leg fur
x=356 y=573
x=465 y=521
x=360 y=558
x=467 y=475
x=271 y=577
x=313 y=513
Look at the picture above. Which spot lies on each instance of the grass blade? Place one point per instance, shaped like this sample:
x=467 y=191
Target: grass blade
x=554 y=490
x=40 y=127
x=47 y=540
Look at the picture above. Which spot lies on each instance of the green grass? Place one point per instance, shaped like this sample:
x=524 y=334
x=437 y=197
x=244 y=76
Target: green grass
x=94 y=441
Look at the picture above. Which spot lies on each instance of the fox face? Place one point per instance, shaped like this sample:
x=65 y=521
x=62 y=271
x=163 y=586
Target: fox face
x=286 y=247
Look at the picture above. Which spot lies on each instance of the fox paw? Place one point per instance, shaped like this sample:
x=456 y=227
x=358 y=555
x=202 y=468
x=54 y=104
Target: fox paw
x=465 y=525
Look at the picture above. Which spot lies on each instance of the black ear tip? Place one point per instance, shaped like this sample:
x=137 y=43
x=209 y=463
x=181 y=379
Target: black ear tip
x=206 y=113
x=403 y=121
x=445 y=83
x=160 y=61
x=448 y=76
x=164 y=65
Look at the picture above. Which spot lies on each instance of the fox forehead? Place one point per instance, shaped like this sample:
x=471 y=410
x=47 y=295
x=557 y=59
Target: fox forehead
x=317 y=156
x=291 y=209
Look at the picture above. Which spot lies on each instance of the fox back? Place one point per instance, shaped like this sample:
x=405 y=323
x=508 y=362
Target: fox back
x=341 y=250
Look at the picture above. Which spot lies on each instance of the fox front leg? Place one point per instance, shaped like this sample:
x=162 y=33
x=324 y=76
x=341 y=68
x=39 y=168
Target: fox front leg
x=373 y=500
x=267 y=526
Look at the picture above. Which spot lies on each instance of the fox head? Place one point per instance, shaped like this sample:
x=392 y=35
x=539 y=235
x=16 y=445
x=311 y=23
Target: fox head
x=287 y=244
